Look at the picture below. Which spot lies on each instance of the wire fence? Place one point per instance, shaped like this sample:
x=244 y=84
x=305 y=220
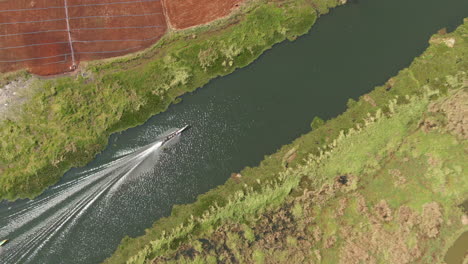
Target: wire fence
x=71 y=6
x=74 y=18
x=82 y=41
x=65 y=59
x=66 y=56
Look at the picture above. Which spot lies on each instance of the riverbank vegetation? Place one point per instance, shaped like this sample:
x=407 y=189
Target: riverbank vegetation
x=381 y=183
x=68 y=121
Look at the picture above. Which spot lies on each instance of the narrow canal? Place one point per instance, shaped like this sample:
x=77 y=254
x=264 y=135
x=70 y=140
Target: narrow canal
x=236 y=120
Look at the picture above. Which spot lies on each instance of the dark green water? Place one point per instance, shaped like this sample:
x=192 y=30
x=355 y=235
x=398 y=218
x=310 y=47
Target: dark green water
x=458 y=252
x=236 y=120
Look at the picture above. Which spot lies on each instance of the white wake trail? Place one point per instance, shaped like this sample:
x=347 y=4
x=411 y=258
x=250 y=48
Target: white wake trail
x=75 y=198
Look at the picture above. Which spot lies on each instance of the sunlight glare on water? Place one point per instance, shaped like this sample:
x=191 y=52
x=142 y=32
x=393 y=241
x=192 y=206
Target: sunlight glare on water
x=236 y=120
x=61 y=210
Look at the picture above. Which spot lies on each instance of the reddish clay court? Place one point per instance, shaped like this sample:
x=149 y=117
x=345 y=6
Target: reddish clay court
x=52 y=36
x=189 y=13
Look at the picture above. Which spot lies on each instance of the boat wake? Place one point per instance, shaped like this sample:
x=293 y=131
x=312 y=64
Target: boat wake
x=35 y=223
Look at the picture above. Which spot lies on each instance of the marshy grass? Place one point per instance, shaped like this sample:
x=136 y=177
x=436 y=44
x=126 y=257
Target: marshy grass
x=69 y=120
x=358 y=142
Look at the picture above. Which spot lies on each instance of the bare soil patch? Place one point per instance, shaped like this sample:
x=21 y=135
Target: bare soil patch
x=34 y=34
x=189 y=13
x=13 y=94
x=49 y=37
x=455 y=108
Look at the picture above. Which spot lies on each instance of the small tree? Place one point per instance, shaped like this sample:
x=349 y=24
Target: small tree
x=317 y=122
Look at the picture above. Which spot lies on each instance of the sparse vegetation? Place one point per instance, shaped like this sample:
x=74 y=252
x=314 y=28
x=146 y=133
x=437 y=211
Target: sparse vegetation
x=369 y=219
x=362 y=220
x=403 y=185
x=69 y=119
x=385 y=188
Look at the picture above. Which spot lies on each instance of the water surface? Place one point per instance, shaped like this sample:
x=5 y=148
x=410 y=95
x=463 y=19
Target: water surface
x=458 y=252
x=236 y=120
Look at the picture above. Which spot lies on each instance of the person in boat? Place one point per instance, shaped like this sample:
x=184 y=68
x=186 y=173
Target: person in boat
x=3 y=242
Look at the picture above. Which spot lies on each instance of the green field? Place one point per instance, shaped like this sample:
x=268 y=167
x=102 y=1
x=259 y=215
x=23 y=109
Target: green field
x=68 y=120
x=399 y=203
x=381 y=183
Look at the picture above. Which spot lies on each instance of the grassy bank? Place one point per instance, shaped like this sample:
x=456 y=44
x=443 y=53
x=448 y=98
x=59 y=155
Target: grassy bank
x=385 y=192
x=401 y=155
x=70 y=119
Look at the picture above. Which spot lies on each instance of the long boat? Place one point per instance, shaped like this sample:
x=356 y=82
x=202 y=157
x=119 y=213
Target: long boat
x=3 y=242
x=175 y=133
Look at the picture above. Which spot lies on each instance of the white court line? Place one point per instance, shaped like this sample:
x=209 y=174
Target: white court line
x=112 y=51
x=69 y=34
x=34 y=32
x=38 y=58
x=83 y=52
x=26 y=22
x=103 y=28
x=136 y=15
x=115 y=40
x=80 y=41
x=76 y=29
x=71 y=18
x=33 y=45
x=62 y=61
x=56 y=7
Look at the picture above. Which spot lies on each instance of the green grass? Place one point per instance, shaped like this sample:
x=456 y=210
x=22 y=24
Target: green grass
x=69 y=120
x=365 y=143
x=371 y=184
x=55 y=133
x=398 y=132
